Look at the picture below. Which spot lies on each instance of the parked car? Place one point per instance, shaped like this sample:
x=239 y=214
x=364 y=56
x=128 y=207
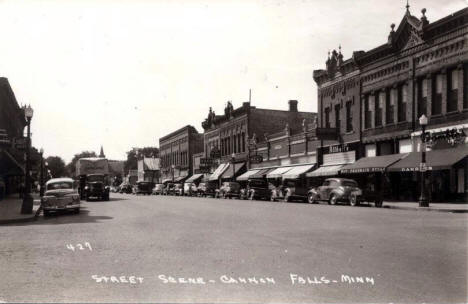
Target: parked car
x=190 y=189
x=158 y=189
x=168 y=189
x=178 y=189
x=60 y=194
x=126 y=188
x=144 y=188
x=290 y=190
x=206 y=189
x=257 y=189
x=335 y=190
x=229 y=190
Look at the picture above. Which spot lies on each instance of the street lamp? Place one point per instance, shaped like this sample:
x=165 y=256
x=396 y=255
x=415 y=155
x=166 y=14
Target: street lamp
x=423 y=202
x=233 y=159
x=41 y=179
x=27 y=205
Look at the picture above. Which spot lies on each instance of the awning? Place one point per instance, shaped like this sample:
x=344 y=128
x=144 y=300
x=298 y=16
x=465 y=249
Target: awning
x=278 y=172
x=166 y=180
x=373 y=164
x=247 y=175
x=220 y=170
x=262 y=173
x=435 y=160
x=232 y=170
x=326 y=171
x=194 y=178
x=297 y=171
x=179 y=179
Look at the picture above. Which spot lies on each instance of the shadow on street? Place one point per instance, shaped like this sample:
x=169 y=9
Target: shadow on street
x=64 y=217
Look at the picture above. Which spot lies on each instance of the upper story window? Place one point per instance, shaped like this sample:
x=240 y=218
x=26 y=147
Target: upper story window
x=327 y=117
x=349 y=117
x=379 y=102
x=337 y=117
x=422 y=97
x=367 y=112
x=437 y=96
x=391 y=100
x=452 y=91
x=402 y=102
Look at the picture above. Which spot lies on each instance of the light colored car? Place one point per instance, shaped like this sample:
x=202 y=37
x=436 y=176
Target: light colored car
x=158 y=189
x=60 y=194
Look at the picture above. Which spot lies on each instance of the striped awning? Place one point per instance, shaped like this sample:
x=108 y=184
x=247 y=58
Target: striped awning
x=219 y=171
x=247 y=175
x=297 y=171
x=278 y=172
x=325 y=171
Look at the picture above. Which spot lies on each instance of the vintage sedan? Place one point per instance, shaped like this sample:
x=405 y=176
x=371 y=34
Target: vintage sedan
x=60 y=194
x=334 y=190
x=158 y=189
x=229 y=190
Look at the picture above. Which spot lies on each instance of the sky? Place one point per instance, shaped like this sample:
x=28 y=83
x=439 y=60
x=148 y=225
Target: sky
x=122 y=74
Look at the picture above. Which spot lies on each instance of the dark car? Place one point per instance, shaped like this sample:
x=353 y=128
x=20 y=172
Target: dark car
x=178 y=190
x=158 y=189
x=335 y=190
x=290 y=189
x=144 y=188
x=229 y=190
x=206 y=189
x=168 y=189
x=258 y=189
x=126 y=188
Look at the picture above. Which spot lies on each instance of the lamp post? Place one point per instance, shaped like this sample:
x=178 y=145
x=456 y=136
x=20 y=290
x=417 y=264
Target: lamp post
x=27 y=206
x=233 y=159
x=41 y=178
x=423 y=202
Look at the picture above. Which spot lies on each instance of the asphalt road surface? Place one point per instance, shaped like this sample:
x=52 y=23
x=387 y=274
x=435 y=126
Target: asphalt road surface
x=180 y=249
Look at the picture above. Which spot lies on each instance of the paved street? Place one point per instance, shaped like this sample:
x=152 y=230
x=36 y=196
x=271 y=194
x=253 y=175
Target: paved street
x=126 y=250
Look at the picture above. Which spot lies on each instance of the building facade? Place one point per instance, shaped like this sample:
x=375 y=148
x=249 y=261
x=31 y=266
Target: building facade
x=227 y=137
x=370 y=104
x=176 y=150
x=12 y=124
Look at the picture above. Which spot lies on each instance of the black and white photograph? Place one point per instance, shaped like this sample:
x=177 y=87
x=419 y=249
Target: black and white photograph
x=234 y=151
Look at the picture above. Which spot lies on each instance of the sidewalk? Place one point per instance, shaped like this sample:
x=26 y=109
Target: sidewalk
x=10 y=209
x=439 y=207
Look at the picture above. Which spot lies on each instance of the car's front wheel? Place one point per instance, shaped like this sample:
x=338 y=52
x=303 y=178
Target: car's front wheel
x=311 y=198
x=333 y=199
x=353 y=200
x=378 y=203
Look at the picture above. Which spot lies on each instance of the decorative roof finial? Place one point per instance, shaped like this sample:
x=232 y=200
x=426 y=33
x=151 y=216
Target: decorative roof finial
x=407 y=6
x=328 y=54
x=392 y=26
x=339 y=48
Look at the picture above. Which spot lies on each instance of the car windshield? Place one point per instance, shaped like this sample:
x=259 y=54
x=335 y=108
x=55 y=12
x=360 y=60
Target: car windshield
x=60 y=185
x=95 y=178
x=349 y=183
x=159 y=186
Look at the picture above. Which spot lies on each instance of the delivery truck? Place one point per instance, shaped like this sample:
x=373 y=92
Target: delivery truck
x=93 y=174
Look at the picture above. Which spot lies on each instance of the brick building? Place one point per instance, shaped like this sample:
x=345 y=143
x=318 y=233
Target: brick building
x=370 y=104
x=226 y=137
x=12 y=124
x=176 y=150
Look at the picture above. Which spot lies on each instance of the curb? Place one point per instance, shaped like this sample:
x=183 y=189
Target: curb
x=31 y=218
x=426 y=209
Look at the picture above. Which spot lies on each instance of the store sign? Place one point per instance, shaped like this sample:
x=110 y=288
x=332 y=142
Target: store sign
x=255 y=159
x=206 y=161
x=416 y=169
x=363 y=170
x=20 y=143
x=205 y=169
x=341 y=148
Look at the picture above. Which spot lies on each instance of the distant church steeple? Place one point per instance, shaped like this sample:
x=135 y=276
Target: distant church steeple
x=101 y=154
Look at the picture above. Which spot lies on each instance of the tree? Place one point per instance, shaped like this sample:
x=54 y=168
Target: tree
x=72 y=165
x=56 y=166
x=138 y=153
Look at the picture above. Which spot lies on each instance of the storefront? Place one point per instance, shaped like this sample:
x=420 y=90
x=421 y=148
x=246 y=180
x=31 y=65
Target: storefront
x=446 y=176
x=334 y=158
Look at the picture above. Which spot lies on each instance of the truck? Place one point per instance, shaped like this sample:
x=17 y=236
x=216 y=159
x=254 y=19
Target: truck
x=93 y=174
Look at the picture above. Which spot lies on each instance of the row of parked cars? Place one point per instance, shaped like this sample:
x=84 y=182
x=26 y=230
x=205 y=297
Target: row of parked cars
x=332 y=190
